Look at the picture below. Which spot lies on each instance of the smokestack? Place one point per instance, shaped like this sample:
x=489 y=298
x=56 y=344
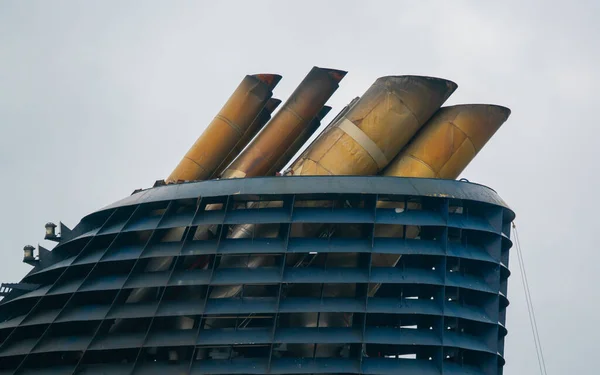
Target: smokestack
x=257 y=125
x=331 y=123
x=449 y=141
x=226 y=129
x=287 y=125
x=380 y=123
x=299 y=142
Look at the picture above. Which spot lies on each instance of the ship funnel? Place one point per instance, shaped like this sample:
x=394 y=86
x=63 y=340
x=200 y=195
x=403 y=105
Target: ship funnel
x=257 y=125
x=449 y=141
x=287 y=125
x=299 y=142
x=226 y=129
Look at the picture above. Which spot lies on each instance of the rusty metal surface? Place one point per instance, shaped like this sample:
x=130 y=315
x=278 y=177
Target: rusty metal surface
x=377 y=126
x=299 y=142
x=257 y=125
x=287 y=125
x=449 y=141
x=226 y=129
x=331 y=123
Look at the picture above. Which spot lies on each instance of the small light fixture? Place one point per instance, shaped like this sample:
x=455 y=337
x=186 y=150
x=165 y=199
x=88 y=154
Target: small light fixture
x=28 y=254
x=50 y=231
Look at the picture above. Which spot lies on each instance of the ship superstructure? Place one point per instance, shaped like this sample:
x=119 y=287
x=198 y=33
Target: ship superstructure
x=364 y=256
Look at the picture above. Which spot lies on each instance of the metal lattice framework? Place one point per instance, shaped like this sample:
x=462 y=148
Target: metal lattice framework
x=441 y=309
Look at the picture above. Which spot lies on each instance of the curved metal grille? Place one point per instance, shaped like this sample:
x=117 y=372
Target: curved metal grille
x=320 y=301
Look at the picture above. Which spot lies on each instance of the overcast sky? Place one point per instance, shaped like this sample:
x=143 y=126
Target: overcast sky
x=100 y=98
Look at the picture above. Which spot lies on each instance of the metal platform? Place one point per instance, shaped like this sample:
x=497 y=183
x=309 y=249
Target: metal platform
x=309 y=307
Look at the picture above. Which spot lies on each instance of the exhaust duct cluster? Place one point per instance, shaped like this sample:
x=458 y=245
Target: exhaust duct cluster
x=398 y=128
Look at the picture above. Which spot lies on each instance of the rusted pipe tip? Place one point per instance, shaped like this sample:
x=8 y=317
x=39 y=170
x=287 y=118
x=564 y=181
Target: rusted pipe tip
x=451 y=85
x=432 y=81
x=505 y=110
x=270 y=80
x=272 y=104
x=336 y=74
x=323 y=112
x=442 y=87
x=502 y=111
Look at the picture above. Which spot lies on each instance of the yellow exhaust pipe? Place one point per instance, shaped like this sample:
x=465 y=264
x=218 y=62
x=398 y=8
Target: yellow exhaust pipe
x=331 y=123
x=287 y=124
x=257 y=125
x=299 y=142
x=449 y=141
x=226 y=129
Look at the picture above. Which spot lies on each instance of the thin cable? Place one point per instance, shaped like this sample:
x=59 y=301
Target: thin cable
x=537 y=331
x=530 y=309
x=537 y=349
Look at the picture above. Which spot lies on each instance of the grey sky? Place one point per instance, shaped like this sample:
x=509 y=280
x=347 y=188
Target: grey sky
x=100 y=98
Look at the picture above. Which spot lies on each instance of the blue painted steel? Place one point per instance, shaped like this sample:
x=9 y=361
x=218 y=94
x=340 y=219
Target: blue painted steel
x=441 y=309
